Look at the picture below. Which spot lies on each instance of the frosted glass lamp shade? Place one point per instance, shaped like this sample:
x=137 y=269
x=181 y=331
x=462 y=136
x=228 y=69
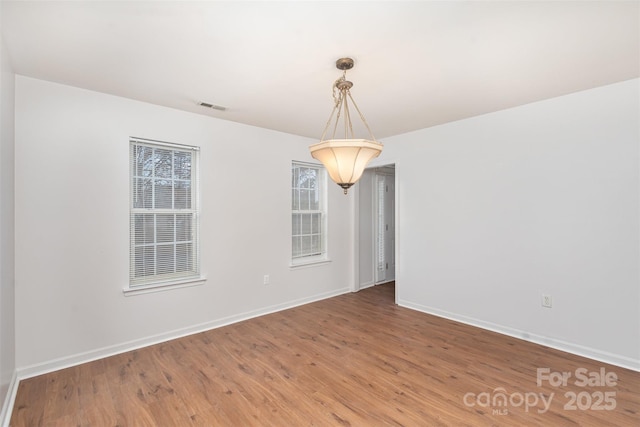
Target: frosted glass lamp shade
x=345 y=159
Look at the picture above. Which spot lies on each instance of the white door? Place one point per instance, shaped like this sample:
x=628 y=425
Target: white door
x=385 y=225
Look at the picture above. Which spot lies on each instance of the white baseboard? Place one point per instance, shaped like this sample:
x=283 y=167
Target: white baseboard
x=10 y=398
x=76 y=359
x=579 y=350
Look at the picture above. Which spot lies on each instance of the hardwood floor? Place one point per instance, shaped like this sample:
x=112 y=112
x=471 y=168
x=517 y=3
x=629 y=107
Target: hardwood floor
x=353 y=360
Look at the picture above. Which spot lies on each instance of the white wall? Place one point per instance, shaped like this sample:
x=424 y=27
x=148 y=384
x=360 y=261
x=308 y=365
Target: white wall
x=493 y=212
x=72 y=227
x=496 y=210
x=7 y=284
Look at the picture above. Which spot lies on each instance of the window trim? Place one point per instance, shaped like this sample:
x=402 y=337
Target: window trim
x=164 y=286
x=306 y=263
x=323 y=258
x=186 y=280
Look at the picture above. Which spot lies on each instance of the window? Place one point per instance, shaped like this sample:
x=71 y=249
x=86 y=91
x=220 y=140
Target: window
x=164 y=214
x=308 y=213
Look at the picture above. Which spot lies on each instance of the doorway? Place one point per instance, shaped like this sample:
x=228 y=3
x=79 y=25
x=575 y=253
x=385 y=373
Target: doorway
x=376 y=227
x=384 y=216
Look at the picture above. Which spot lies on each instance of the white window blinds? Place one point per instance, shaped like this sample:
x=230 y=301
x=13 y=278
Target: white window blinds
x=164 y=213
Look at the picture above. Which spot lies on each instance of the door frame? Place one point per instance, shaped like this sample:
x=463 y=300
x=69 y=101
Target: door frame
x=356 y=285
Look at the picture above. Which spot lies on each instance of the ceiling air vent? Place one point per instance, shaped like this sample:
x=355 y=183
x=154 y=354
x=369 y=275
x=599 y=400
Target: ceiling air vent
x=212 y=106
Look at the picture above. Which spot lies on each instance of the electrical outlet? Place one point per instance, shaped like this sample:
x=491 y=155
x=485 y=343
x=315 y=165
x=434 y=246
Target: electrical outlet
x=546 y=301
x=266 y=279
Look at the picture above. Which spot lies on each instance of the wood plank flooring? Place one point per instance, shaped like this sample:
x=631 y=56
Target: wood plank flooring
x=353 y=360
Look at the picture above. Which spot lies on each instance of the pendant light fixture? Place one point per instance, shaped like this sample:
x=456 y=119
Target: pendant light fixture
x=345 y=159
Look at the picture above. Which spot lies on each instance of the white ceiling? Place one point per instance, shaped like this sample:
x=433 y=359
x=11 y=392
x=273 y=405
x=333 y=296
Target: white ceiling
x=272 y=64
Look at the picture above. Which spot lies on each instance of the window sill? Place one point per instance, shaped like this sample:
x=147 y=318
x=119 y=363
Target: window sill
x=308 y=263
x=164 y=286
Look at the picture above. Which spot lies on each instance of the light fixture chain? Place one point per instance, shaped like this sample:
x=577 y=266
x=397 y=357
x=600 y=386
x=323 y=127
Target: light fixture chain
x=335 y=89
x=336 y=107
